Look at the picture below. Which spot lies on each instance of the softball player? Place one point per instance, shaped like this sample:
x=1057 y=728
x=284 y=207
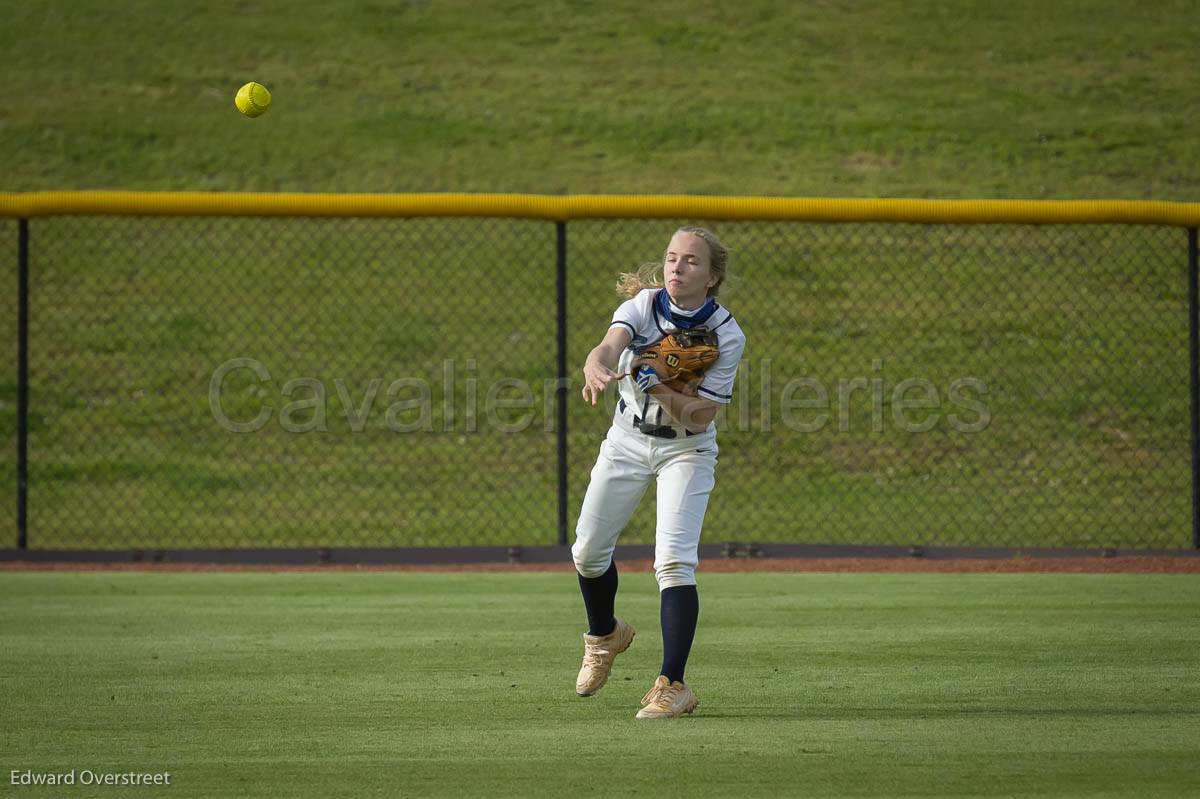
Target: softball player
x=657 y=433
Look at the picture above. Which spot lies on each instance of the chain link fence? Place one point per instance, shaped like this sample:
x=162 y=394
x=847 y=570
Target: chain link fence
x=251 y=382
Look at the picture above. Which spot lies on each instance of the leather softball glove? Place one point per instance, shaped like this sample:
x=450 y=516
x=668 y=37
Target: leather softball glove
x=679 y=360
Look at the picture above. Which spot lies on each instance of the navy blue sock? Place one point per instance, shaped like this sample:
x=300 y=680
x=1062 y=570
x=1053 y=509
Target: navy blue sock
x=678 y=611
x=599 y=597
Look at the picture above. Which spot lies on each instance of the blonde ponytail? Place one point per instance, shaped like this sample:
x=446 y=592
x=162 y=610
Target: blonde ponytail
x=647 y=276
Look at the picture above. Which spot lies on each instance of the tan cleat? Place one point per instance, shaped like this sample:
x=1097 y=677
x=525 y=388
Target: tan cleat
x=599 y=652
x=667 y=700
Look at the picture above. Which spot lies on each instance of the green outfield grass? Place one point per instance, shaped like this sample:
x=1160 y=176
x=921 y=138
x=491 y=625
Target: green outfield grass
x=947 y=99
x=461 y=685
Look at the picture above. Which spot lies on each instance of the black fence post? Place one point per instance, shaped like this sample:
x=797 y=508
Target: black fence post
x=561 y=271
x=22 y=380
x=1194 y=355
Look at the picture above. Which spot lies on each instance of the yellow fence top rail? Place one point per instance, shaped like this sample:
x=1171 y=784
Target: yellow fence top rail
x=599 y=206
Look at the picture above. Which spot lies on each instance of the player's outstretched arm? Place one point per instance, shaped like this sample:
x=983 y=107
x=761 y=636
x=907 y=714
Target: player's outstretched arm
x=598 y=368
x=694 y=413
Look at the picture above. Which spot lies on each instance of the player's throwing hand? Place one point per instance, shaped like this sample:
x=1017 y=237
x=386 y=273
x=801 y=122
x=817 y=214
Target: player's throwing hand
x=596 y=377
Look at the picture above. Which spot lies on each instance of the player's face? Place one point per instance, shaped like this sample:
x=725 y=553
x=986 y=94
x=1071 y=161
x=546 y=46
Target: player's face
x=686 y=269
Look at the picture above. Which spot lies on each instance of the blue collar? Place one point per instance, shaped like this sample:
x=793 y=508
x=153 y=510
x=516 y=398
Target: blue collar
x=662 y=303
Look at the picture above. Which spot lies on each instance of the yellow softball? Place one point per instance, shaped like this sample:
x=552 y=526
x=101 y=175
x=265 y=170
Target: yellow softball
x=253 y=99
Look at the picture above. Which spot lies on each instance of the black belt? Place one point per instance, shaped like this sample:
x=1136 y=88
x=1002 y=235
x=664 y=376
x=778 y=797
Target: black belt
x=652 y=430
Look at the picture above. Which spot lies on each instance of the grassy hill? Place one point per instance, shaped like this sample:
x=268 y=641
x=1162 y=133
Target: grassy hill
x=942 y=98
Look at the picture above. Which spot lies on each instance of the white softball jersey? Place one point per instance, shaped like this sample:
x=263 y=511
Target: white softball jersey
x=682 y=463
x=649 y=316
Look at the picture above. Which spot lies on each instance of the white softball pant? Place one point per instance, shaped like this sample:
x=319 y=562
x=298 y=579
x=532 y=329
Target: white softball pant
x=628 y=461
